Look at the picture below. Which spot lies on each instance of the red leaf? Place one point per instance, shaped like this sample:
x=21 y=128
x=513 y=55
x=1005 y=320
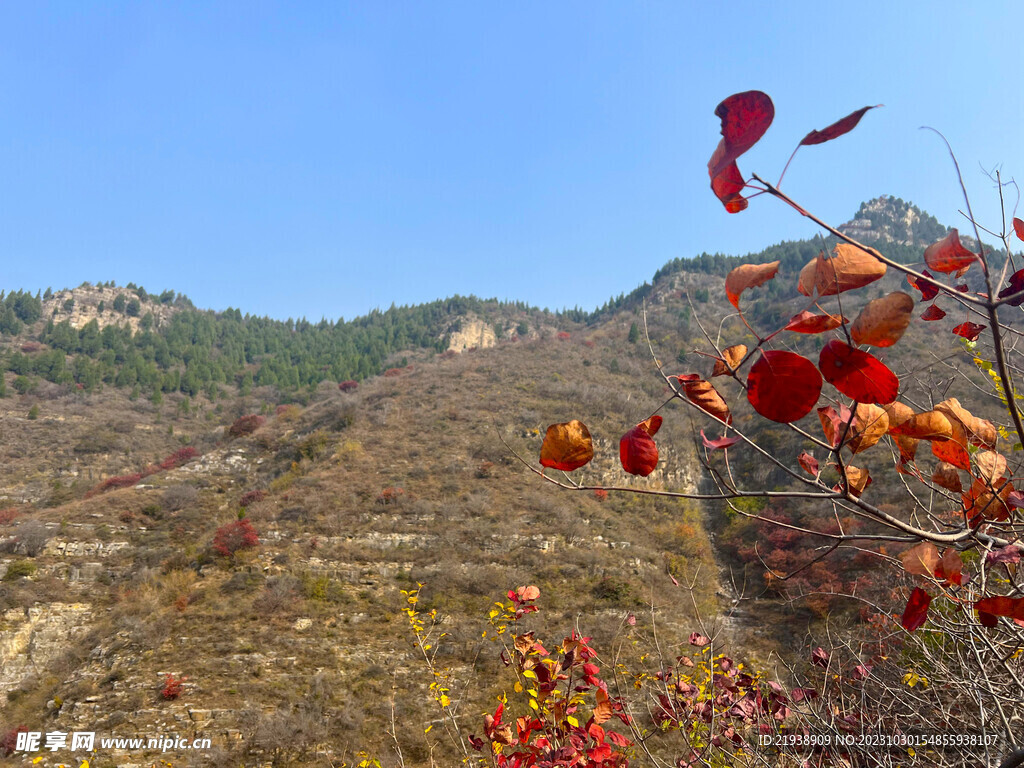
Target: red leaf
x=970 y=331
x=745 y=117
x=1011 y=607
x=933 y=313
x=928 y=291
x=807 y=322
x=858 y=374
x=698 y=639
x=948 y=255
x=837 y=128
x=1018 y=227
x=1011 y=553
x=820 y=657
x=950 y=568
x=1016 y=285
x=916 y=612
x=809 y=463
x=638 y=451
x=618 y=739
x=727 y=185
x=748 y=276
x=783 y=386
x=718 y=443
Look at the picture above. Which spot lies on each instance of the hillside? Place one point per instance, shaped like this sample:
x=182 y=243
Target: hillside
x=132 y=436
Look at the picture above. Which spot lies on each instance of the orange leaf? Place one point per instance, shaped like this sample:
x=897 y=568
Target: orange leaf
x=921 y=560
x=907 y=446
x=567 y=446
x=807 y=322
x=703 y=394
x=732 y=357
x=948 y=255
x=898 y=413
x=930 y=425
x=783 y=386
x=847 y=269
x=984 y=501
x=858 y=479
x=882 y=322
x=980 y=432
x=528 y=593
x=837 y=128
x=603 y=710
x=748 y=276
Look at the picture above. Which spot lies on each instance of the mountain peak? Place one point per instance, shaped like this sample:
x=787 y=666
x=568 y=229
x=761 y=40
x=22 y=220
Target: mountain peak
x=888 y=219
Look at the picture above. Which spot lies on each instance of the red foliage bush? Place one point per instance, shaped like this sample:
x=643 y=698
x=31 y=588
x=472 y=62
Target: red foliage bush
x=179 y=457
x=394 y=371
x=348 y=386
x=8 y=515
x=246 y=425
x=233 y=537
x=10 y=740
x=600 y=494
x=564 y=335
x=111 y=483
x=172 y=687
x=390 y=495
x=31 y=346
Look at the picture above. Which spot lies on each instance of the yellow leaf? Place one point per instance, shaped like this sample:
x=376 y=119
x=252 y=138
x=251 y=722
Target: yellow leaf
x=518 y=687
x=573 y=721
x=427 y=729
x=533 y=704
x=530 y=674
x=445 y=701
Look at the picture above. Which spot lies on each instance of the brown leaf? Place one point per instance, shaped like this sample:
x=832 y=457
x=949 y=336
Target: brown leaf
x=946 y=475
x=805 y=283
x=921 y=560
x=870 y=423
x=990 y=465
x=948 y=255
x=882 y=322
x=950 y=568
x=809 y=463
x=907 y=447
x=703 y=394
x=567 y=446
x=849 y=268
x=603 y=710
x=834 y=424
x=748 y=276
x=732 y=356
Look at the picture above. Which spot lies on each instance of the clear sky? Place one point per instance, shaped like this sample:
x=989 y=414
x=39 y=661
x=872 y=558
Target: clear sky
x=322 y=159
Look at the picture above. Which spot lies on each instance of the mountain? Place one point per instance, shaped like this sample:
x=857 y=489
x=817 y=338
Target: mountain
x=207 y=519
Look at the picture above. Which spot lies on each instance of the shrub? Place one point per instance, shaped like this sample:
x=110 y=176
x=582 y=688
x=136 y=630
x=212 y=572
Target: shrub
x=179 y=457
x=233 y=537
x=8 y=515
x=348 y=386
x=394 y=372
x=390 y=495
x=19 y=569
x=178 y=497
x=251 y=497
x=111 y=483
x=172 y=687
x=32 y=536
x=246 y=425
x=33 y=413
x=564 y=335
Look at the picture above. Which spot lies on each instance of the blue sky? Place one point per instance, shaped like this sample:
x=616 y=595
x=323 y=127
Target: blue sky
x=322 y=159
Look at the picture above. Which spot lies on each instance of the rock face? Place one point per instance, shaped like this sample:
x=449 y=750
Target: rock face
x=84 y=307
x=891 y=220
x=31 y=640
x=471 y=332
